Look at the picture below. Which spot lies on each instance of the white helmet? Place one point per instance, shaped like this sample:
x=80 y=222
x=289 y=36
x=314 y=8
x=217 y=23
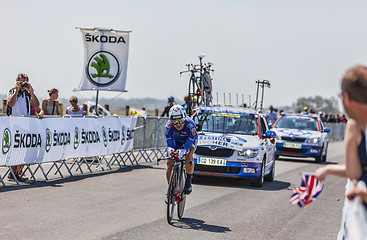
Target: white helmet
x=177 y=113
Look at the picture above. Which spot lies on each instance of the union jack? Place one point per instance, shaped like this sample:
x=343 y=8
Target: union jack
x=308 y=191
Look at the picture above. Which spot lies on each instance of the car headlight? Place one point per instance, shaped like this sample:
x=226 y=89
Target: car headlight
x=278 y=137
x=249 y=153
x=313 y=140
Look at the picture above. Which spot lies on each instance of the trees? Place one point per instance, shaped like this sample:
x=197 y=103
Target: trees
x=318 y=103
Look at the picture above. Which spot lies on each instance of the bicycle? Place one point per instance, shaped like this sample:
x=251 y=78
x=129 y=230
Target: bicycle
x=200 y=84
x=175 y=188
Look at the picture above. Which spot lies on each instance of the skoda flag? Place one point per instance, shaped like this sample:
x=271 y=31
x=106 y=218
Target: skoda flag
x=105 y=59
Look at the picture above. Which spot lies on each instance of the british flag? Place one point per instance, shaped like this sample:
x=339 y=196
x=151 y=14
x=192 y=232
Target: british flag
x=308 y=191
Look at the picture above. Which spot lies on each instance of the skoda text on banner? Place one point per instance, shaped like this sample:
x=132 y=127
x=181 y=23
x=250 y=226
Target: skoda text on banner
x=32 y=140
x=105 y=59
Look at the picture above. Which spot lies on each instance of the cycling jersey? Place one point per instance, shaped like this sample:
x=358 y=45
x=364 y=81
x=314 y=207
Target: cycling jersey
x=183 y=139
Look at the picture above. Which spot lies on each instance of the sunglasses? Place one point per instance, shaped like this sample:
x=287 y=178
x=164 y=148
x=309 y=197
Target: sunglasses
x=178 y=121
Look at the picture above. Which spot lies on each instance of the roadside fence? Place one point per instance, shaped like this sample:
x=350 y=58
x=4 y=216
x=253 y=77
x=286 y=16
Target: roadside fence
x=149 y=145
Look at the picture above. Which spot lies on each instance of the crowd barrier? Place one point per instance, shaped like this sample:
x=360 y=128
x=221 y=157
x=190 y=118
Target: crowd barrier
x=147 y=135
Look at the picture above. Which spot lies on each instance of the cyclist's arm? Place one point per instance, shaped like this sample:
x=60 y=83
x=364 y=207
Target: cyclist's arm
x=192 y=138
x=169 y=137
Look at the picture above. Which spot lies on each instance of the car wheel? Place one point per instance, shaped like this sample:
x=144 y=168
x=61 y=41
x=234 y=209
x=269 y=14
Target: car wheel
x=319 y=158
x=270 y=176
x=325 y=156
x=260 y=181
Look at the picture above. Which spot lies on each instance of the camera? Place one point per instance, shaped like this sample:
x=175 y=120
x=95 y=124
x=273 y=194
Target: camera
x=24 y=84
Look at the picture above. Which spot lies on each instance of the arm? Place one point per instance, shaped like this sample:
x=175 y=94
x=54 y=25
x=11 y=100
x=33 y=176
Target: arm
x=169 y=137
x=44 y=101
x=34 y=99
x=192 y=138
x=335 y=170
x=57 y=107
x=352 y=139
x=355 y=192
x=12 y=99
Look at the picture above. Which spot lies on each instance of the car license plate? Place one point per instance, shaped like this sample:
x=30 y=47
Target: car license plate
x=212 y=161
x=293 y=145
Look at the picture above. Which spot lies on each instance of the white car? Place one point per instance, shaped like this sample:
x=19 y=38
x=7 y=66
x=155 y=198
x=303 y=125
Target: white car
x=234 y=142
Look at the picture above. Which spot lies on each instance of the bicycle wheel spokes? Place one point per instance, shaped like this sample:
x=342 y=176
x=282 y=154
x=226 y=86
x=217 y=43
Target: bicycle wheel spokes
x=171 y=197
x=181 y=204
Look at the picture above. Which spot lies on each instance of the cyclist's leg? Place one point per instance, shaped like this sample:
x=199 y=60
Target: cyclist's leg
x=189 y=165
x=169 y=169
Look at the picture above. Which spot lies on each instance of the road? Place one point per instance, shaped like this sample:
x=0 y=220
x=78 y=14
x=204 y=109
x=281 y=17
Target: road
x=128 y=204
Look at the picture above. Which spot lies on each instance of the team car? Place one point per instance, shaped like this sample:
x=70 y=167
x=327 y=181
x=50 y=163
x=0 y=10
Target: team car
x=234 y=143
x=301 y=135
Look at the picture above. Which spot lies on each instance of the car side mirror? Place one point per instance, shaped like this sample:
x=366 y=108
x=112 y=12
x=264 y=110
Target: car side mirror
x=326 y=129
x=270 y=134
x=199 y=127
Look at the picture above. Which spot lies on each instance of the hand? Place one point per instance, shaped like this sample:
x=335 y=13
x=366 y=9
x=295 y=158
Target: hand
x=181 y=153
x=321 y=173
x=170 y=151
x=29 y=88
x=357 y=192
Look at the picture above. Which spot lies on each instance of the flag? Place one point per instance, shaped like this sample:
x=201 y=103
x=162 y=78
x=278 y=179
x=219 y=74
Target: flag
x=105 y=59
x=308 y=191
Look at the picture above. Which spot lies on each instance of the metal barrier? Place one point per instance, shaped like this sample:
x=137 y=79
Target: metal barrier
x=337 y=131
x=149 y=145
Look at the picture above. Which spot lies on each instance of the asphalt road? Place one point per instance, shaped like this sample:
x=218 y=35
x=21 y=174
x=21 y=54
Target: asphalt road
x=128 y=204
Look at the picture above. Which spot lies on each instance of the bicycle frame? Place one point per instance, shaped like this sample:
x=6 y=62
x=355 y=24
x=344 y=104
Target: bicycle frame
x=175 y=189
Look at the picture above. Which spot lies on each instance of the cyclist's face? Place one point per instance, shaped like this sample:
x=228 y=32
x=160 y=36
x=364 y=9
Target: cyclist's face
x=179 y=126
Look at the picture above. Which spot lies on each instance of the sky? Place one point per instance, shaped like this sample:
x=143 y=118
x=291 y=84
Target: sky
x=302 y=47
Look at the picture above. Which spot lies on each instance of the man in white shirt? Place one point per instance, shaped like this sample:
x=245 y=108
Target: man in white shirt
x=20 y=100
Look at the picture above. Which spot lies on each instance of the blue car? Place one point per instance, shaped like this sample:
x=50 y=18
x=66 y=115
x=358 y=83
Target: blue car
x=301 y=135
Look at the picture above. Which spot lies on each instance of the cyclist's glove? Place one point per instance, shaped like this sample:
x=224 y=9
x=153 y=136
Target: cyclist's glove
x=181 y=153
x=169 y=151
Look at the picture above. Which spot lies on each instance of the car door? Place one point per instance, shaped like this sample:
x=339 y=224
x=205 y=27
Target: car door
x=269 y=147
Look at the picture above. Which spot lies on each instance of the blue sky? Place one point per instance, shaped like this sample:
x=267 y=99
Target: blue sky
x=302 y=47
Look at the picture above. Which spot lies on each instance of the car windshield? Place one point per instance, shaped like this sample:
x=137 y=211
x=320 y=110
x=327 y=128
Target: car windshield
x=227 y=123
x=300 y=123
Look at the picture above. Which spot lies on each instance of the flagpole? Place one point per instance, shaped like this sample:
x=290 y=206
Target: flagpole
x=97 y=102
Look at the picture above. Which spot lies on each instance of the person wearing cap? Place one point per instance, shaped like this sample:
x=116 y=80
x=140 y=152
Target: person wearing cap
x=171 y=101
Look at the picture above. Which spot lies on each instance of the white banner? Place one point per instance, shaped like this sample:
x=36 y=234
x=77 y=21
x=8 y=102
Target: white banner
x=105 y=59
x=32 y=140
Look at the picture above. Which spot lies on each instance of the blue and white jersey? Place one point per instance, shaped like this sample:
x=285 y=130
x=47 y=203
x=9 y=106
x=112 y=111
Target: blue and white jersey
x=182 y=139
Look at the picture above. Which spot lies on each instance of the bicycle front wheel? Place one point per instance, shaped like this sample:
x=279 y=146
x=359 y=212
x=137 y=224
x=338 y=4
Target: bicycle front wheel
x=181 y=204
x=171 y=197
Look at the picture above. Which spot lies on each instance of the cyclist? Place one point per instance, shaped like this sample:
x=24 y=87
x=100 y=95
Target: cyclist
x=181 y=139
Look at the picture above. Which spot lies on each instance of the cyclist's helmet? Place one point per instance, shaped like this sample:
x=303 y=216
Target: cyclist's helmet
x=171 y=99
x=177 y=114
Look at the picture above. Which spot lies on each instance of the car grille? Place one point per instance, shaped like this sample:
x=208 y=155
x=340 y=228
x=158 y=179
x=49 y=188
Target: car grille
x=297 y=139
x=217 y=169
x=219 y=152
x=284 y=149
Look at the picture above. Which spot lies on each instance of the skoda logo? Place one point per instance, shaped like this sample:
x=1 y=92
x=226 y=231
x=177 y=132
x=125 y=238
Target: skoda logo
x=123 y=135
x=103 y=68
x=292 y=136
x=213 y=148
x=48 y=140
x=104 y=134
x=76 y=138
x=6 y=141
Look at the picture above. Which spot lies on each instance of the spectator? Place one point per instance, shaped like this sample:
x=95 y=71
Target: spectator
x=244 y=105
x=354 y=97
x=20 y=99
x=272 y=116
x=186 y=105
x=50 y=106
x=74 y=109
x=343 y=119
x=171 y=101
x=305 y=110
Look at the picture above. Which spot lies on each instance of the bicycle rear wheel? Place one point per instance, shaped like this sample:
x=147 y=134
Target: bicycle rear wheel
x=181 y=204
x=171 y=197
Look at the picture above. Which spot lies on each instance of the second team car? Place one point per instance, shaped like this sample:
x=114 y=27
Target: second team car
x=301 y=135
x=234 y=143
